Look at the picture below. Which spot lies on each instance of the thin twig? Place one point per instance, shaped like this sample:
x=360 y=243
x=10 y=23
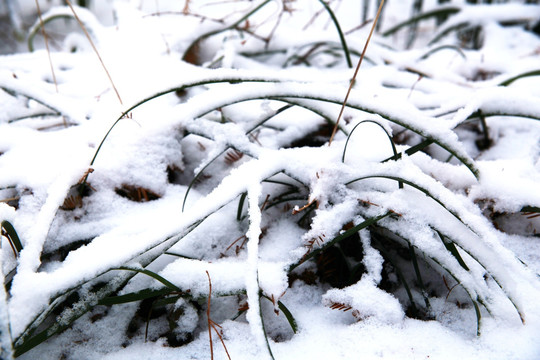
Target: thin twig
x=95 y=49
x=208 y=316
x=220 y=338
x=46 y=44
x=212 y=324
x=356 y=72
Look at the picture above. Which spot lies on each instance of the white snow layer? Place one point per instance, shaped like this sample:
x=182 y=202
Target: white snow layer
x=455 y=192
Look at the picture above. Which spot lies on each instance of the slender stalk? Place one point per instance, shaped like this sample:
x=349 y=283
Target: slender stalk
x=46 y=39
x=413 y=30
x=341 y=36
x=208 y=316
x=195 y=43
x=355 y=73
x=95 y=50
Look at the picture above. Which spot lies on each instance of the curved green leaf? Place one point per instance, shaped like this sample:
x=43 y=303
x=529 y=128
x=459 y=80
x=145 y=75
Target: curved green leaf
x=152 y=274
x=341 y=36
x=442 y=11
x=9 y=232
x=520 y=76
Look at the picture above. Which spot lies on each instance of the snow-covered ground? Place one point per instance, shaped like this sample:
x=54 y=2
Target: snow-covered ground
x=188 y=148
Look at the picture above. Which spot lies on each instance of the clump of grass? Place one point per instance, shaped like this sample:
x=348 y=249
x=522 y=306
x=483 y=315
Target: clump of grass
x=427 y=240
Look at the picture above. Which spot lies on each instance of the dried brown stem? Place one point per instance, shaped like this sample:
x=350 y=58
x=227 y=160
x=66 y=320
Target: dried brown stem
x=46 y=44
x=208 y=316
x=356 y=72
x=95 y=49
x=212 y=324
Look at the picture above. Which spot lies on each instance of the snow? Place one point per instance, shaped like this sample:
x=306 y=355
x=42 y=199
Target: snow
x=224 y=169
x=252 y=273
x=367 y=300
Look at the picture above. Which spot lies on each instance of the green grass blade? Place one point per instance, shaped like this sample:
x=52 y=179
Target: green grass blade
x=341 y=36
x=473 y=295
x=399 y=273
x=31 y=343
x=11 y=234
x=327 y=116
x=531 y=209
x=443 y=47
x=284 y=183
x=165 y=92
x=179 y=255
x=6 y=342
x=464 y=158
x=474 y=298
x=385 y=112
x=152 y=274
x=400 y=184
x=287 y=95
x=418 y=275
x=413 y=28
x=37 y=27
x=413 y=149
x=235 y=25
x=253 y=128
x=264 y=326
x=339 y=238
x=289 y=316
x=520 y=76
x=496 y=280
x=442 y=11
x=451 y=247
x=521 y=112
x=373 y=122
x=417 y=187
x=31 y=95
x=280 y=199
x=442 y=34
x=198 y=175
x=241 y=206
x=478 y=317
x=286 y=312
x=27 y=340
x=134 y=296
